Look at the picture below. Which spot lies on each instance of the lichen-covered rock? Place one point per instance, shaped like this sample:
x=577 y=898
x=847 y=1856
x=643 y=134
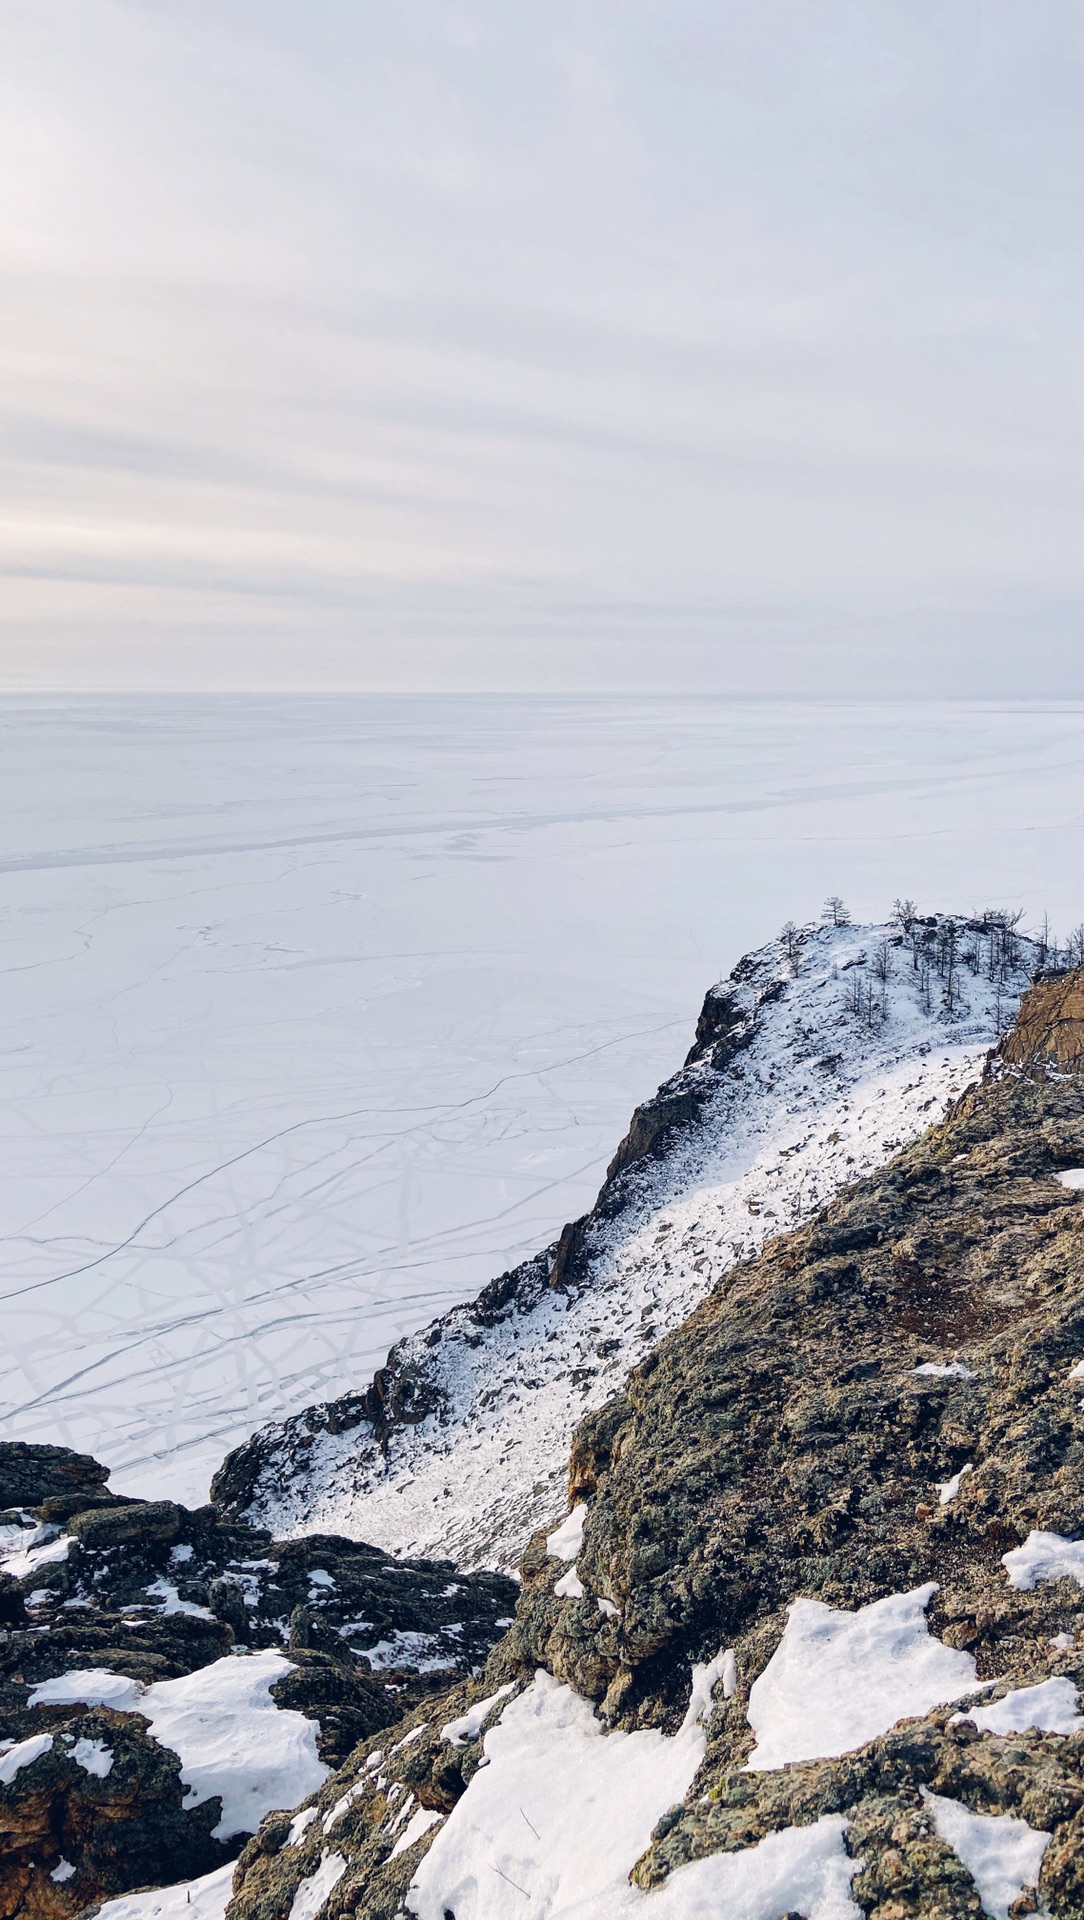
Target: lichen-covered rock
x=884 y=1399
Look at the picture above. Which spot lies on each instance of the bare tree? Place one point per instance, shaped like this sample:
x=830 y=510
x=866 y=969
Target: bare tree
x=904 y=915
x=791 y=942
x=882 y=972
x=834 y=913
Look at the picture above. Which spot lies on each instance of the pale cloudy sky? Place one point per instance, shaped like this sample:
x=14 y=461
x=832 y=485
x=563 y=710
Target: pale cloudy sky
x=586 y=343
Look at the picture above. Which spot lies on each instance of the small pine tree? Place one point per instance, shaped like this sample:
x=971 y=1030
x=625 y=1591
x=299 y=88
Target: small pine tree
x=791 y=942
x=834 y=913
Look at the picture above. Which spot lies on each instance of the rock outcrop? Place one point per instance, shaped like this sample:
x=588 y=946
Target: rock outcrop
x=91 y=1803
x=874 y=1429
x=818 y=1058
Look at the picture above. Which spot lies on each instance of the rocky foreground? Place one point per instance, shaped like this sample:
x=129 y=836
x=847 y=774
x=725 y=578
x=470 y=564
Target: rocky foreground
x=876 y=1425
x=121 y=1620
x=808 y=1640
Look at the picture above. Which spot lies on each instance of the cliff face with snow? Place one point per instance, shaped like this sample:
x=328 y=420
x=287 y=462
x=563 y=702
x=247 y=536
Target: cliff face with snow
x=800 y=1407
x=812 y=1064
x=810 y=1640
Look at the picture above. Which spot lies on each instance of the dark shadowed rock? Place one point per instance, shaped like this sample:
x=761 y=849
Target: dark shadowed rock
x=31 y=1474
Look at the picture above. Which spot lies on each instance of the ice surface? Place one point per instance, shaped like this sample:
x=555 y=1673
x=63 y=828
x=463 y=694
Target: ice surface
x=1044 y=1556
x=1003 y=1855
x=221 y=1721
x=1051 y=1706
x=205 y=1899
x=838 y=1679
x=320 y=1011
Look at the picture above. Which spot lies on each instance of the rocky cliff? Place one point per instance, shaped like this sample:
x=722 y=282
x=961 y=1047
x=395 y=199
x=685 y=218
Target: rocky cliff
x=811 y=1638
x=819 y=1057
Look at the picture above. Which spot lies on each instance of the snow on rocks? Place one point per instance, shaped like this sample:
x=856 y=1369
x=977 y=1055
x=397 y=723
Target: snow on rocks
x=203 y=1899
x=809 y=1098
x=1002 y=1854
x=22 y=1753
x=221 y=1721
x=1051 y=1707
x=1044 y=1556
x=838 y=1679
x=469 y=1725
x=948 y=1489
x=563 y=1809
x=313 y=1891
x=91 y=1687
x=93 y=1756
x=1071 y=1177
x=48 y=1554
x=944 y=1370
x=566 y=1541
x=562 y=1812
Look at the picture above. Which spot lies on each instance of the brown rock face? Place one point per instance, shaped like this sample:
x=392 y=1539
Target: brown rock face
x=119 y=1826
x=1050 y=1026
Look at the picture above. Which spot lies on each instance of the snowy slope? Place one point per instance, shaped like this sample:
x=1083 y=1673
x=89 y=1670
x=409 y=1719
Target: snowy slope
x=801 y=1094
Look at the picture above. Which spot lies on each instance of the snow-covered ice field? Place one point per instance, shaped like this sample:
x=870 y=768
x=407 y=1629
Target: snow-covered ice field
x=320 y=1011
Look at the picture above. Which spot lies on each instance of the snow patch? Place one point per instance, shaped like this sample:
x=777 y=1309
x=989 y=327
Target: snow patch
x=948 y=1489
x=1003 y=1855
x=300 y=1825
x=419 y=1823
x=49 y=1554
x=412 y=1651
x=561 y=1813
x=164 y=1590
x=566 y=1541
x=1044 y=1556
x=838 y=1679
x=312 y=1892
x=93 y=1756
x=221 y=1721
x=1051 y=1707
x=569 y=1586
x=90 y=1686
x=23 y=1754
x=204 y=1899
x=1071 y=1177
x=62 y=1871
x=469 y=1725
x=952 y=1370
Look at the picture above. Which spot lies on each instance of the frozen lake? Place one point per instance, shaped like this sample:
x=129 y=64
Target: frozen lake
x=320 y=1011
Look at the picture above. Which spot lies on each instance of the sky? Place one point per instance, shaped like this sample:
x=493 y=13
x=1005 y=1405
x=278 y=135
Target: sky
x=569 y=346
